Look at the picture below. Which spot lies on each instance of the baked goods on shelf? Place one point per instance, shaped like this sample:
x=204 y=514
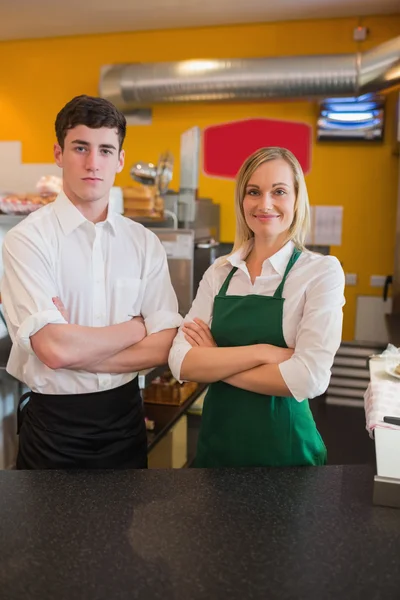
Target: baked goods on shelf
x=167 y=390
x=48 y=187
x=143 y=201
x=23 y=204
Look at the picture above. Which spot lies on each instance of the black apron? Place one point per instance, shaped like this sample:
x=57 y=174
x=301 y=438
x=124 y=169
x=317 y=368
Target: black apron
x=101 y=430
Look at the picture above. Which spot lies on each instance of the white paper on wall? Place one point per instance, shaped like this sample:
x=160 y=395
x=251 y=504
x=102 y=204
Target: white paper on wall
x=310 y=235
x=328 y=222
x=18 y=177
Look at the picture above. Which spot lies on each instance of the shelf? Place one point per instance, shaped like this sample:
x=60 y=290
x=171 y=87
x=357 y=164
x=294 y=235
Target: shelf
x=146 y=376
x=11 y=219
x=146 y=221
x=166 y=415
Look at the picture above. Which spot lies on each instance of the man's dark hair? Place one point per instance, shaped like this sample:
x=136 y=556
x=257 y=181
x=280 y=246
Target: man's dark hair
x=92 y=112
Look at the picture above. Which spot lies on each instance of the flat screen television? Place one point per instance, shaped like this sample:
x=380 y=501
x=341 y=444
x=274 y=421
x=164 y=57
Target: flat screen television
x=352 y=118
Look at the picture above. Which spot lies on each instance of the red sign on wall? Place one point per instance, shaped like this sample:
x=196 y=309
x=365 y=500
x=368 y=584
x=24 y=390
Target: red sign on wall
x=226 y=146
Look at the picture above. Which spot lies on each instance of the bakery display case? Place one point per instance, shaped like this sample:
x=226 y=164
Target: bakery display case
x=47 y=189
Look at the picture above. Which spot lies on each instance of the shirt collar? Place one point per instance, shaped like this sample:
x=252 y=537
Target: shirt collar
x=279 y=260
x=71 y=218
x=237 y=259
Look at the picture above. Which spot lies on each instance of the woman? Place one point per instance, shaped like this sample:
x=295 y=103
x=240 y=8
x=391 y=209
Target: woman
x=275 y=311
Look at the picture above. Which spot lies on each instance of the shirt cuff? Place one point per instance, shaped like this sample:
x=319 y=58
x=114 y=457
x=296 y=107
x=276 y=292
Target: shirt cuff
x=300 y=381
x=35 y=323
x=291 y=378
x=162 y=319
x=176 y=355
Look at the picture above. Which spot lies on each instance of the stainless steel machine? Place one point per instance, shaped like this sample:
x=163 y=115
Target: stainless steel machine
x=179 y=246
x=190 y=231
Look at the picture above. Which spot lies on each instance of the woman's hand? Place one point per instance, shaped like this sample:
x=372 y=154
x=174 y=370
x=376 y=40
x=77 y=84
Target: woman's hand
x=197 y=333
x=277 y=355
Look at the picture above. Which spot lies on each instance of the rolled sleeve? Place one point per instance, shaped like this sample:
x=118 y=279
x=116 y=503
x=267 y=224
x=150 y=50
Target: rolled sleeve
x=162 y=319
x=159 y=304
x=307 y=373
x=300 y=380
x=180 y=348
x=27 y=287
x=35 y=323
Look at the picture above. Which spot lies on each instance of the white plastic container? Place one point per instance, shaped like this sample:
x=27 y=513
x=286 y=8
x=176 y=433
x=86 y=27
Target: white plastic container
x=387 y=447
x=116 y=203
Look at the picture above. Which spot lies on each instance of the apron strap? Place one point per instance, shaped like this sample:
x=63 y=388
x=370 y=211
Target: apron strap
x=225 y=285
x=295 y=255
x=23 y=401
x=278 y=293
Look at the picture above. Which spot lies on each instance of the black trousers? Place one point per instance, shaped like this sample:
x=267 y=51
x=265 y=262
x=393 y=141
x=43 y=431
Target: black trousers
x=101 y=430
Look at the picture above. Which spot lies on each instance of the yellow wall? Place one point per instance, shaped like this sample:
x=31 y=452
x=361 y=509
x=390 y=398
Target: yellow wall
x=37 y=77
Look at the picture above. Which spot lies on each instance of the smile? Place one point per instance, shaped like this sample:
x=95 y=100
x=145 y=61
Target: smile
x=266 y=217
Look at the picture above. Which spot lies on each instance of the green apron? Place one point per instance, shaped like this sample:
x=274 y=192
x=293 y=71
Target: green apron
x=245 y=429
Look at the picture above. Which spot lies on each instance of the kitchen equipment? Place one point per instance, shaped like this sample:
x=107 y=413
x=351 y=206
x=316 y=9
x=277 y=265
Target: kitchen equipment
x=164 y=172
x=144 y=173
x=116 y=202
x=159 y=175
x=179 y=247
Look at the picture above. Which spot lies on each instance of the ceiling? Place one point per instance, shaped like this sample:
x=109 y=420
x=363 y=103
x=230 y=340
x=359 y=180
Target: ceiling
x=47 y=18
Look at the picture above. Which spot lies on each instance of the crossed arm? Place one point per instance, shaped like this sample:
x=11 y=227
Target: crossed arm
x=152 y=351
x=253 y=368
x=195 y=356
x=38 y=322
x=300 y=372
x=121 y=348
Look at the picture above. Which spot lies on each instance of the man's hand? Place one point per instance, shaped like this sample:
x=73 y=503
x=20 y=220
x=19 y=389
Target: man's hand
x=61 y=308
x=197 y=333
x=138 y=327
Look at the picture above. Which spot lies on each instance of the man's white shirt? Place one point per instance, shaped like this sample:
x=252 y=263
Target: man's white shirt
x=104 y=273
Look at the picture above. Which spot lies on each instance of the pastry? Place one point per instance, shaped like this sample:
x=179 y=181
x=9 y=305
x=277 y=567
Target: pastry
x=49 y=185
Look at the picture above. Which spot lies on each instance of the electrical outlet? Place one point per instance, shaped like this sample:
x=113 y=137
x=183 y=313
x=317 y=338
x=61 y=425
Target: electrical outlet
x=360 y=33
x=377 y=280
x=351 y=278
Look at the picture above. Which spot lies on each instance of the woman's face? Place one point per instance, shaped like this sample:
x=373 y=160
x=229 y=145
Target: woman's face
x=269 y=200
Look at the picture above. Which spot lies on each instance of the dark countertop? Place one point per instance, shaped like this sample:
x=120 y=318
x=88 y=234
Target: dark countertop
x=305 y=533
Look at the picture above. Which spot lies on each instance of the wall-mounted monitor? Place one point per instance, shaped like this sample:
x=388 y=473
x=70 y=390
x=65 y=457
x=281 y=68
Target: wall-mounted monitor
x=350 y=118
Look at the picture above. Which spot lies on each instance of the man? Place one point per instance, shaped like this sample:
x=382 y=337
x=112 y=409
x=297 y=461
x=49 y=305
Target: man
x=89 y=302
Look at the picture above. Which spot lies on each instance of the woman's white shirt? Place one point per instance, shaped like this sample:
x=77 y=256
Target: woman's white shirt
x=312 y=312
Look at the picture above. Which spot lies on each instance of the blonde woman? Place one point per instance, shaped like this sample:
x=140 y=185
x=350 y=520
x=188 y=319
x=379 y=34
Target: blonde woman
x=275 y=313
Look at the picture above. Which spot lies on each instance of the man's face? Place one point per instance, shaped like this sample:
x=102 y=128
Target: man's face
x=90 y=160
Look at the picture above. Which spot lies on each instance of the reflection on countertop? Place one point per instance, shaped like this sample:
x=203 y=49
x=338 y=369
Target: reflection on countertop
x=308 y=532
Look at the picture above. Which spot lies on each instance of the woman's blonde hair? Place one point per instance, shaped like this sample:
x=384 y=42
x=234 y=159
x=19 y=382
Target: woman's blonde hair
x=301 y=221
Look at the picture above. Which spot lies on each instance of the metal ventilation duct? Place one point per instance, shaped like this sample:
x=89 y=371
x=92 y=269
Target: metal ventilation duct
x=139 y=85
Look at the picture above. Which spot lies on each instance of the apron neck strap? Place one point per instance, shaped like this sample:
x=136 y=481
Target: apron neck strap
x=295 y=255
x=225 y=285
x=278 y=293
